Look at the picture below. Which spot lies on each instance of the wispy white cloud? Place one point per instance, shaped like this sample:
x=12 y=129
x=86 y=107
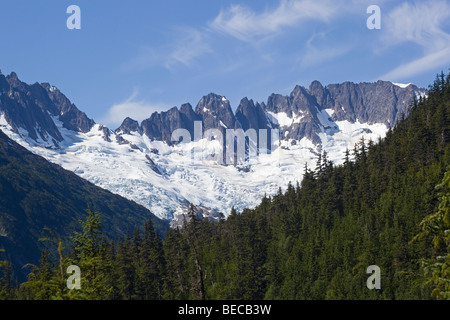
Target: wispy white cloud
x=131 y=107
x=315 y=54
x=421 y=23
x=146 y=58
x=244 y=24
x=187 y=46
x=429 y=62
x=191 y=44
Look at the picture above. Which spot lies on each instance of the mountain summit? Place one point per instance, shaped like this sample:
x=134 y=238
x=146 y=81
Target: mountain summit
x=38 y=109
x=141 y=162
x=303 y=113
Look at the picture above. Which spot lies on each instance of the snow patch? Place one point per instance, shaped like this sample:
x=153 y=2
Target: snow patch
x=420 y=94
x=324 y=118
x=348 y=135
x=3 y=232
x=401 y=85
x=330 y=112
x=282 y=119
x=3 y=122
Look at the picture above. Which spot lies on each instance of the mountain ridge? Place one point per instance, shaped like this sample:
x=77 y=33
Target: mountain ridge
x=347 y=101
x=306 y=103
x=142 y=163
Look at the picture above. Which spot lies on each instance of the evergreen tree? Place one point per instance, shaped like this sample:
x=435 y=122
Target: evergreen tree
x=313 y=241
x=193 y=232
x=437 y=227
x=87 y=250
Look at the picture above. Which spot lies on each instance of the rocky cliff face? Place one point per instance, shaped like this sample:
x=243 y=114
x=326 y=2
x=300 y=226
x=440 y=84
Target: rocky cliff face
x=28 y=107
x=304 y=113
x=252 y=116
x=129 y=125
x=72 y=118
x=380 y=102
x=132 y=161
x=33 y=108
x=215 y=112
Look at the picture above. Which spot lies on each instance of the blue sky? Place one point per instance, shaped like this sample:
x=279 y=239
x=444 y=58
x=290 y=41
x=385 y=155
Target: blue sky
x=132 y=58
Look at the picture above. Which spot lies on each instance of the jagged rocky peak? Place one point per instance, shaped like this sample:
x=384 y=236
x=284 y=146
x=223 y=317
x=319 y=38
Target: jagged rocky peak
x=315 y=86
x=305 y=112
x=4 y=85
x=300 y=103
x=251 y=115
x=129 y=125
x=34 y=107
x=216 y=112
x=378 y=102
x=160 y=126
x=278 y=103
x=211 y=102
x=71 y=117
x=303 y=102
x=13 y=80
x=188 y=117
x=187 y=110
x=29 y=108
x=320 y=93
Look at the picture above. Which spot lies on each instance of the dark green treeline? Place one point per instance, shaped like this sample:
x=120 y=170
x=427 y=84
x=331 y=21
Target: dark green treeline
x=313 y=241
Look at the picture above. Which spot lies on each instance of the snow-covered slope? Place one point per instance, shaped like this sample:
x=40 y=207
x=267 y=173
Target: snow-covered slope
x=140 y=162
x=166 y=178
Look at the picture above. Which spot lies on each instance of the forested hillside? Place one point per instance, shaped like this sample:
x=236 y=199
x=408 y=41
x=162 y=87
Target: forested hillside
x=35 y=194
x=314 y=240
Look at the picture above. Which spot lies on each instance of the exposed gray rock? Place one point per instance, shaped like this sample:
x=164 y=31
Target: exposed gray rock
x=379 y=102
x=188 y=117
x=215 y=112
x=251 y=116
x=106 y=133
x=152 y=164
x=72 y=118
x=28 y=107
x=121 y=140
x=160 y=126
x=129 y=125
x=32 y=107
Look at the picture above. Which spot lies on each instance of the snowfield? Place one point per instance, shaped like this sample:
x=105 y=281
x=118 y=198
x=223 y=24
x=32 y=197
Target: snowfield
x=165 y=179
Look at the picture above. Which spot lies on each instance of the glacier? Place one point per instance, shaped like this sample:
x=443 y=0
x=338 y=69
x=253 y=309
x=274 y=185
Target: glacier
x=177 y=179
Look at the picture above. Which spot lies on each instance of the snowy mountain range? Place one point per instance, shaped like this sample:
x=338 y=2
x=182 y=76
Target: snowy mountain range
x=175 y=158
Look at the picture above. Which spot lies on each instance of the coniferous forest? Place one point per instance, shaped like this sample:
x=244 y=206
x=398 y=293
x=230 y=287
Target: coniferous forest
x=386 y=205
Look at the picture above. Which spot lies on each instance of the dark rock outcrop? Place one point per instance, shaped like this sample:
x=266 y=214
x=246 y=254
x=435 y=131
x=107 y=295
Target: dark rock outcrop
x=129 y=125
x=215 y=112
x=71 y=117
x=31 y=108
x=305 y=112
